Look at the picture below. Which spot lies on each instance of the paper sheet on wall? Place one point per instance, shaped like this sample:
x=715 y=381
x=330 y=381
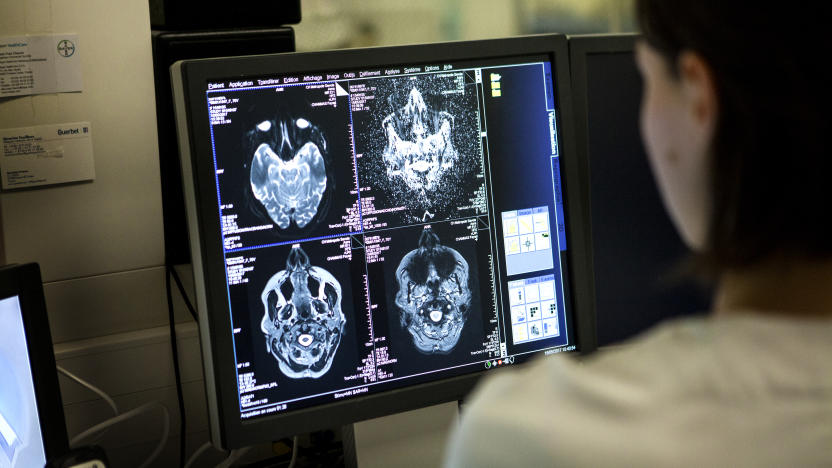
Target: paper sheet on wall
x=39 y=64
x=46 y=154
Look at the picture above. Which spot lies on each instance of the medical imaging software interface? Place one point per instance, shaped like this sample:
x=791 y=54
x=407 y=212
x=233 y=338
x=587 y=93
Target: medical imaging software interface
x=390 y=226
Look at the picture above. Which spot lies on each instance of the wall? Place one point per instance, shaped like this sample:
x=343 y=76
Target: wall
x=99 y=244
x=329 y=24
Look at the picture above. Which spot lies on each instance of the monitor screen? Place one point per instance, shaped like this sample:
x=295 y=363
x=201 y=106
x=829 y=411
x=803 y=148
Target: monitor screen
x=377 y=221
x=21 y=440
x=636 y=249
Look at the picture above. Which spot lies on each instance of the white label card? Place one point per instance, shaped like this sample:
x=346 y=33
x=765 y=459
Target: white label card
x=46 y=154
x=39 y=64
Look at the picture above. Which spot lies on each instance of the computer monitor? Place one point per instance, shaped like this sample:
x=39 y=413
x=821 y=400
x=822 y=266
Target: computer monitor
x=637 y=252
x=169 y=47
x=372 y=229
x=32 y=427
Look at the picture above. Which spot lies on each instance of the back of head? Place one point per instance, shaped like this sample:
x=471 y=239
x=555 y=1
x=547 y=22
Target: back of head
x=770 y=163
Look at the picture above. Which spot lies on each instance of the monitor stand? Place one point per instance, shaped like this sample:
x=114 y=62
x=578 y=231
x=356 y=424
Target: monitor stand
x=416 y=438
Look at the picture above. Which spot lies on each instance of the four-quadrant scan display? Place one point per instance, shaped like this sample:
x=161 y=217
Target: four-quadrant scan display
x=364 y=221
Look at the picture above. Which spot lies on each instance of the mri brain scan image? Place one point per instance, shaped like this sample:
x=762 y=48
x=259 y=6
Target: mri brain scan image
x=433 y=296
x=303 y=321
x=288 y=172
x=419 y=147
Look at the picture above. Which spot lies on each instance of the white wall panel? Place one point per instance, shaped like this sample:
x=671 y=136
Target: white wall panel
x=407 y=440
x=115 y=222
x=113 y=303
x=129 y=362
x=135 y=368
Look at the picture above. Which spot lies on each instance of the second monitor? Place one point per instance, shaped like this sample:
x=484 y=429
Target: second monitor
x=635 y=247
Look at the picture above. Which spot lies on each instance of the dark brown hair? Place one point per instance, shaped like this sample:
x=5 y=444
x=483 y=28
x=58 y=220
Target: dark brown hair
x=770 y=165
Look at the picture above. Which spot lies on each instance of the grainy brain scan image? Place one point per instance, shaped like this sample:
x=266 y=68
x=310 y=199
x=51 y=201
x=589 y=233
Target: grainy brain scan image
x=433 y=296
x=419 y=146
x=288 y=172
x=419 y=142
x=303 y=321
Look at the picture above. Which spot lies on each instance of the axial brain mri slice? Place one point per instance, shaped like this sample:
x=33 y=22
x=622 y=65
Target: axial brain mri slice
x=433 y=296
x=288 y=173
x=303 y=321
x=419 y=147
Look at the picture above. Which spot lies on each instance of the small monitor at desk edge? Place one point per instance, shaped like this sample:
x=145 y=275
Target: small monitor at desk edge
x=32 y=427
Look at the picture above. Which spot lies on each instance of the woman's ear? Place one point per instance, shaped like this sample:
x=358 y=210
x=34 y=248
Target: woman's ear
x=699 y=92
x=679 y=121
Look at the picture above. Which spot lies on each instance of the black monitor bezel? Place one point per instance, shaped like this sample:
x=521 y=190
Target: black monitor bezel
x=580 y=46
x=191 y=78
x=24 y=281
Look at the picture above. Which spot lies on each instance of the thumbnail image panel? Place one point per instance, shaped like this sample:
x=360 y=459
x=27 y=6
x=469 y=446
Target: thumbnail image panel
x=285 y=165
x=418 y=148
x=298 y=312
x=432 y=311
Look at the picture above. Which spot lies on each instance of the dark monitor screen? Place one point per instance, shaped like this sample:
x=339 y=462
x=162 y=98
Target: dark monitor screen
x=636 y=249
x=377 y=227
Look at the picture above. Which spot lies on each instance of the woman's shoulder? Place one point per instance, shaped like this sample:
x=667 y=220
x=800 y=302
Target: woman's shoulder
x=654 y=362
x=560 y=401
x=690 y=357
x=635 y=400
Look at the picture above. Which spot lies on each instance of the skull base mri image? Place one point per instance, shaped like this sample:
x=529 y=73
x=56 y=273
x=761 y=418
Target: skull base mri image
x=430 y=284
x=434 y=294
x=303 y=321
x=298 y=332
x=420 y=150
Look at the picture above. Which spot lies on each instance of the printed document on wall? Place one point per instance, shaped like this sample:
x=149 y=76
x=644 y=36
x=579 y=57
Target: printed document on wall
x=39 y=64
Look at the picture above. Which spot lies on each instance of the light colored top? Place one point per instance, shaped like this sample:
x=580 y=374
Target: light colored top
x=738 y=390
